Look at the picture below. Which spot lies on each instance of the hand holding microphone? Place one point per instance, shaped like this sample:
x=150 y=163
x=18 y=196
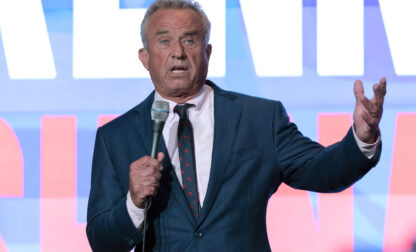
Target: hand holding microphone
x=145 y=172
x=144 y=178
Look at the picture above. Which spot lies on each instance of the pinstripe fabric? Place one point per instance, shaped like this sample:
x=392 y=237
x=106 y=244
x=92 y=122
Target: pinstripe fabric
x=255 y=149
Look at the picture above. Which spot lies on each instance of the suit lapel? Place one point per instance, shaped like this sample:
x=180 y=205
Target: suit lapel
x=227 y=118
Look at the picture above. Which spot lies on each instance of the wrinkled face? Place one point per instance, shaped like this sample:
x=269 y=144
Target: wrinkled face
x=177 y=56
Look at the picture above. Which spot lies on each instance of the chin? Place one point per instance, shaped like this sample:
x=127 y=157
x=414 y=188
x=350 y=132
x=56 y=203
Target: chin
x=180 y=85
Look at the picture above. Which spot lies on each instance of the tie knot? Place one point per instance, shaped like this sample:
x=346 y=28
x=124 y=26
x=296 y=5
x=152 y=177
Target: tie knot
x=180 y=109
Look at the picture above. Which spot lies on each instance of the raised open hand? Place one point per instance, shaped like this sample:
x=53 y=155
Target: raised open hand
x=367 y=113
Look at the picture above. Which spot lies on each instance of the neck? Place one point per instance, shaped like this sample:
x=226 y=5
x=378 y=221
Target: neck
x=183 y=98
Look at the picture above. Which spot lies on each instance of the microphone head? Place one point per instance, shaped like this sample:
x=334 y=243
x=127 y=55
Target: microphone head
x=160 y=111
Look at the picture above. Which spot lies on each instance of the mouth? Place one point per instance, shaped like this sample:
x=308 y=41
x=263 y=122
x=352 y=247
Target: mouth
x=178 y=69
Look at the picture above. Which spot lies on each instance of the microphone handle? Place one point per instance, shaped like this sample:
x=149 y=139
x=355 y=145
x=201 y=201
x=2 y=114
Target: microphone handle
x=157 y=127
x=155 y=144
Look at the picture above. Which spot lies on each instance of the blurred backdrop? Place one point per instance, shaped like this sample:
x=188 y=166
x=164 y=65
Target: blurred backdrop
x=67 y=67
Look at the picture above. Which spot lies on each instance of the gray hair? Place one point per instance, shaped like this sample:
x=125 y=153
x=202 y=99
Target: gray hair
x=174 y=4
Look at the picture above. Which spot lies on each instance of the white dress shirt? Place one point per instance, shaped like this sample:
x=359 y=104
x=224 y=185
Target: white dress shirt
x=202 y=118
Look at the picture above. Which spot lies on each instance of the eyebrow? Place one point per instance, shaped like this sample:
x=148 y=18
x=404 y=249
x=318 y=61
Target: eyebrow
x=161 y=33
x=187 y=33
x=190 y=33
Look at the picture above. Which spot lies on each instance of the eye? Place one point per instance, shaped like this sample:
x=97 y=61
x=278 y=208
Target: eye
x=164 y=42
x=189 y=42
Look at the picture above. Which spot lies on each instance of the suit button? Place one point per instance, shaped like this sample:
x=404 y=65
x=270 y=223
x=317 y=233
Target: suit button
x=130 y=241
x=199 y=234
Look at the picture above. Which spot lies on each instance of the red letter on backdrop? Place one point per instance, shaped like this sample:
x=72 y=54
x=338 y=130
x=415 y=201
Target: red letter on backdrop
x=11 y=167
x=58 y=228
x=290 y=219
x=3 y=247
x=11 y=163
x=400 y=225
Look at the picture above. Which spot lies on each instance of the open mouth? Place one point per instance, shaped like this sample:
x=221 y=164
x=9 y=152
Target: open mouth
x=178 y=69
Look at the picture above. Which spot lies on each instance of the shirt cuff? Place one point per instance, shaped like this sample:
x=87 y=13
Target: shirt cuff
x=369 y=150
x=136 y=214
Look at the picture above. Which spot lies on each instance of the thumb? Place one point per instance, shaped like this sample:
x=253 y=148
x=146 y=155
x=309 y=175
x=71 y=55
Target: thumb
x=358 y=90
x=160 y=157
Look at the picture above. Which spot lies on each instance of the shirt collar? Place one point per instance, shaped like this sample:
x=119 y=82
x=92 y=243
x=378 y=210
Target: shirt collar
x=198 y=100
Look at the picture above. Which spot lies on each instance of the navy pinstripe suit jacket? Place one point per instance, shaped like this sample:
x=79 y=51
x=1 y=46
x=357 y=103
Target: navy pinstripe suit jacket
x=255 y=149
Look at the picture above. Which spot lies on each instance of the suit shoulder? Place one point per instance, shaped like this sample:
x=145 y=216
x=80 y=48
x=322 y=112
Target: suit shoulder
x=125 y=120
x=252 y=101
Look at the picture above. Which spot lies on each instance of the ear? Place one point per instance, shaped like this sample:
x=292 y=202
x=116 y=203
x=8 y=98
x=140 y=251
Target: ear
x=208 y=51
x=144 y=58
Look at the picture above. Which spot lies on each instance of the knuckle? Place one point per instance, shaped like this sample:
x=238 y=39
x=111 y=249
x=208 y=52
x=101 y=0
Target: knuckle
x=135 y=192
x=158 y=175
x=133 y=166
x=143 y=161
x=154 y=180
x=154 y=191
x=149 y=192
x=145 y=182
x=145 y=193
x=134 y=173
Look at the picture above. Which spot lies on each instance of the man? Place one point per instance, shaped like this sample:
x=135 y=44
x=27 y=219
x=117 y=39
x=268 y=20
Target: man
x=211 y=196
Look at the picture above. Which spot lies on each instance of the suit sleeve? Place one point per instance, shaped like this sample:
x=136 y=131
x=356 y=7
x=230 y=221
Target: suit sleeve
x=109 y=227
x=305 y=164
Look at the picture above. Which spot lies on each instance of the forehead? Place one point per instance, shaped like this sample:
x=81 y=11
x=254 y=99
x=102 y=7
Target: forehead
x=174 y=20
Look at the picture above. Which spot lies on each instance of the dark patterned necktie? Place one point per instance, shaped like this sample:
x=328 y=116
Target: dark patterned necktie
x=187 y=158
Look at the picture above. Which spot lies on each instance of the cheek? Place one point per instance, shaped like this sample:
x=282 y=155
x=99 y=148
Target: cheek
x=198 y=60
x=158 y=65
x=202 y=62
x=158 y=58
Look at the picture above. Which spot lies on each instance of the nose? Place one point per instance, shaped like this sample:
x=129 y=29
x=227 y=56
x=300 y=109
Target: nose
x=178 y=51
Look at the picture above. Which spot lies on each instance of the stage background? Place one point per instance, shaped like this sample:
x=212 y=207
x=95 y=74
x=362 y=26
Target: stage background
x=68 y=66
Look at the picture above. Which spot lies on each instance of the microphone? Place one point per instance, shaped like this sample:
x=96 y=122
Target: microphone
x=159 y=114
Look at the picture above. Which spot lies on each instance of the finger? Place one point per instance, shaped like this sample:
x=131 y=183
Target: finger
x=160 y=157
x=383 y=86
x=142 y=170
x=146 y=162
x=145 y=192
x=150 y=172
x=151 y=180
x=380 y=91
x=358 y=90
x=153 y=191
x=378 y=95
x=137 y=183
x=156 y=162
x=143 y=173
x=143 y=161
x=157 y=175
